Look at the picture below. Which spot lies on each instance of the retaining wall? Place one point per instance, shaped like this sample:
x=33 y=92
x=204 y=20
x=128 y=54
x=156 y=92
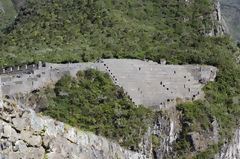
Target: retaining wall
x=146 y=82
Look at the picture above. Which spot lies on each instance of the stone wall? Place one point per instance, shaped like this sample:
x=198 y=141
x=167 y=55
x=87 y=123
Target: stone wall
x=28 y=78
x=23 y=134
x=157 y=85
x=146 y=82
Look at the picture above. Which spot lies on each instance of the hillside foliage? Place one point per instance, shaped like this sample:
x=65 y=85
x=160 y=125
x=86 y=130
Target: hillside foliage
x=51 y=30
x=7 y=14
x=93 y=103
x=86 y=30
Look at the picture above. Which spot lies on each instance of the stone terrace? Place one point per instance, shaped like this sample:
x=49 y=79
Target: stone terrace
x=146 y=82
x=156 y=85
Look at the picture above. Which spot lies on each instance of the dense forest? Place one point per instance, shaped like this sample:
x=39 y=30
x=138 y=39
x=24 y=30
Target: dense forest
x=50 y=30
x=87 y=30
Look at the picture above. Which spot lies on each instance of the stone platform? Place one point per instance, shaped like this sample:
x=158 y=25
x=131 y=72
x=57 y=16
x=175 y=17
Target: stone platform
x=157 y=85
x=146 y=82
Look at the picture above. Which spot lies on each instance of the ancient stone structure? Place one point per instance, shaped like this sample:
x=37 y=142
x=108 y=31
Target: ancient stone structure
x=156 y=85
x=23 y=134
x=146 y=82
x=28 y=78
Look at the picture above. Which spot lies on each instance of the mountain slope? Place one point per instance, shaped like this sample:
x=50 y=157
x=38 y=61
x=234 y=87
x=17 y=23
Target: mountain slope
x=84 y=30
x=231 y=13
x=176 y=30
x=7 y=13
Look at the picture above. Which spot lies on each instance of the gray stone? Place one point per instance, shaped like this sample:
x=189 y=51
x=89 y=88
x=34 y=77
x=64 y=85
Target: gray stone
x=3 y=156
x=160 y=85
x=196 y=141
x=7 y=130
x=15 y=148
x=71 y=135
x=21 y=145
x=6 y=116
x=36 y=153
x=54 y=155
x=30 y=139
x=5 y=145
x=216 y=130
x=19 y=123
x=37 y=124
x=14 y=155
x=46 y=141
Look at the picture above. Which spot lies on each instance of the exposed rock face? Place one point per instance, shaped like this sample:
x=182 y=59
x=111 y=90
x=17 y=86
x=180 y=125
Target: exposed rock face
x=220 y=28
x=146 y=144
x=23 y=134
x=231 y=150
x=167 y=130
x=231 y=14
x=1 y=9
x=200 y=141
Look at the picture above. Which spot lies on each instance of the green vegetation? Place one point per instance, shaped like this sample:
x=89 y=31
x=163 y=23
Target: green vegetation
x=86 y=30
x=209 y=152
x=92 y=102
x=45 y=156
x=156 y=142
x=7 y=14
x=195 y=118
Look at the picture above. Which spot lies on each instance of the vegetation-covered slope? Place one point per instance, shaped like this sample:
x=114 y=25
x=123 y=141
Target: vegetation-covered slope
x=7 y=14
x=92 y=102
x=85 y=30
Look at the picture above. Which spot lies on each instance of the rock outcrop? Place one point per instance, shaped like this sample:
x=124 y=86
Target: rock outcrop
x=220 y=28
x=166 y=128
x=23 y=134
x=2 y=9
x=231 y=150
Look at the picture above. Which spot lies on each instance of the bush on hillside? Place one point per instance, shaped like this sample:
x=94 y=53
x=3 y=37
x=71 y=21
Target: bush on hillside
x=93 y=103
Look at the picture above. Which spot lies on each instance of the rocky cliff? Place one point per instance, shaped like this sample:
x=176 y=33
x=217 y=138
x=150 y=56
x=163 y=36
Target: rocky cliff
x=221 y=27
x=24 y=134
x=231 y=13
x=231 y=150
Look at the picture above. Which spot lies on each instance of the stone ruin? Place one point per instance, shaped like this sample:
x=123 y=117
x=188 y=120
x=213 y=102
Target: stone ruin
x=146 y=82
